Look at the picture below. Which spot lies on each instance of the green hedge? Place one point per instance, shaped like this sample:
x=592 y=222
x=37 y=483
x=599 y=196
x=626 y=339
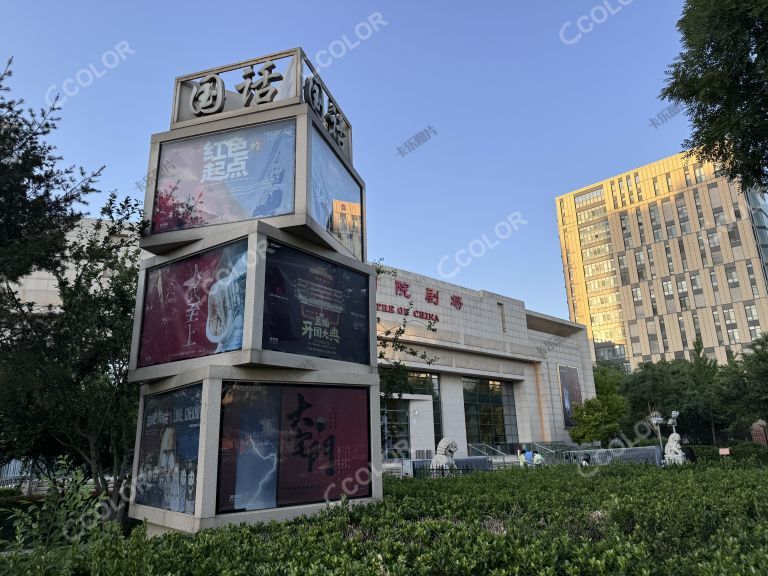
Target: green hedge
x=9 y=492
x=703 y=520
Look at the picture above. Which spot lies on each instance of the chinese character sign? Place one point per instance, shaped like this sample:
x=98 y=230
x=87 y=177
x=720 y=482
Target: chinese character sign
x=283 y=445
x=226 y=177
x=194 y=306
x=315 y=307
x=570 y=390
x=170 y=437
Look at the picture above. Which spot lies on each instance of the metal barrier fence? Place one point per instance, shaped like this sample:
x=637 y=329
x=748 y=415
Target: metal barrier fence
x=600 y=456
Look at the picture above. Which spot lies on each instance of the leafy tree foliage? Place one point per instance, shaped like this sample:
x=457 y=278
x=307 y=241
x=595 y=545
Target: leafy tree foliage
x=721 y=77
x=39 y=199
x=599 y=418
x=63 y=370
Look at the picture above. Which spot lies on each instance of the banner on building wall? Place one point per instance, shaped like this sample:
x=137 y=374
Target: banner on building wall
x=226 y=177
x=194 y=306
x=286 y=445
x=314 y=307
x=570 y=390
x=170 y=437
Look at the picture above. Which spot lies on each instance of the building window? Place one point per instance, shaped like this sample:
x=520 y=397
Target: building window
x=713 y=280
x=719 y=216
x=732 y=276
x=640 y=265
x=654 y=309
x=640 y=226
x=754 y=333
x=683 y=335
x=682 y=293
x=688 y=180
x=713 y=238
x=733 y=335
x=699 y=210
x=696 y=325
x=733 y=235
x=718 y=328
x=696 y=283
x=752 y=280
x=683 y=257
x=666 y=286
x=623 y=269
x=651 y=265
x=698 y=171
x=637 y=297
x=655 y=187
x=751 y=311
x=489 y=412
x=588 y=196
x=669 y=181
x=429 y=384
x=395 y=429
x=682 y=214
x=702 y=249
x=668 y=253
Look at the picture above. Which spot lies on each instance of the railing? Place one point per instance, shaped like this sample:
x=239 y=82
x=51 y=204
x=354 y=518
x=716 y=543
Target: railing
x=483 y=449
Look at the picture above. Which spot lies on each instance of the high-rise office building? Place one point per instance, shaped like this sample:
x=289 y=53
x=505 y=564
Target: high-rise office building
x=661 y=255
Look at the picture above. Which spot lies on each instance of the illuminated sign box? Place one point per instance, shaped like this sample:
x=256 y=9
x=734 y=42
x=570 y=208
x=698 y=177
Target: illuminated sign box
x=263 y=148
x=257 y=298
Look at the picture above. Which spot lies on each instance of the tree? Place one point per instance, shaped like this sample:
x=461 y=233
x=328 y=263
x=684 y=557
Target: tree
x=599 y=418
x=63 y=370
x=39 y=199
x=743 y=385
x=721 y=77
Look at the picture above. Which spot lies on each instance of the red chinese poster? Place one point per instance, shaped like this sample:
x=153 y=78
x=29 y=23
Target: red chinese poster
x=194 y=306
x=324 y=446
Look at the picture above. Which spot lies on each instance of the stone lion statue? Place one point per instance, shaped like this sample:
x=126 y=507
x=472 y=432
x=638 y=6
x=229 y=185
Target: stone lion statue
x=673 y=452
x=444 y=457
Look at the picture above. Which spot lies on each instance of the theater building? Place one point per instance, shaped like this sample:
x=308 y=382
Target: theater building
x=501 y=375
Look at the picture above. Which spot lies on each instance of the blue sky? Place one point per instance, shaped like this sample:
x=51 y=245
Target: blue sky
x=520 y=115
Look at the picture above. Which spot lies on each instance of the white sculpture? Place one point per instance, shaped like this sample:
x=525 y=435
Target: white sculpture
x=673 y=452
x=444 y=457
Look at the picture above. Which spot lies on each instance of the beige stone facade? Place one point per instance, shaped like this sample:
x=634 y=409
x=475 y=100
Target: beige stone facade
x=661 y=255
x=496 y=370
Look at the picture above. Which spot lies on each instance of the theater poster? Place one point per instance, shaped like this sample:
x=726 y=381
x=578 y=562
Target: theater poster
x=248 y=449
x=288 y=445
x=570 y=389
x=336 y=198
x=324 y=446
x=225 y=177
x=314 y=307
x=194 y=306
x=170 y=437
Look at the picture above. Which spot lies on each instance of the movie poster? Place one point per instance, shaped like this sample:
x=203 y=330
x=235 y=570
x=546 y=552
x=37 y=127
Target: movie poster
x=283 y=445
x=194 y=306
x=336 y=198
x=324 y=445
x=226 y=177
x=570 y=390
x=314 y=307
x=170 y=438
x=248 y=448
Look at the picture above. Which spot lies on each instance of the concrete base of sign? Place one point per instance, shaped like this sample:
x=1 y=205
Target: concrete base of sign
x=165 y=521
x=212 y=378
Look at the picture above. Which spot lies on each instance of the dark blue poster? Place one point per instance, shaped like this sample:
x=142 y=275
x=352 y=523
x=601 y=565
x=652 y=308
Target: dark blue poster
x=314 y=307
x=170 y=437
x=248 y=449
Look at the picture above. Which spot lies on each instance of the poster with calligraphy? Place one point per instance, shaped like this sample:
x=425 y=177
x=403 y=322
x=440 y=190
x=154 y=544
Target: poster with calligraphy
x=570 y=389
x=283 y=445
x=324 y=444
x=248 y=447
x=170 y=438
x=194 y=306
x=336 y=198
x=314 y=307
x=225 y=177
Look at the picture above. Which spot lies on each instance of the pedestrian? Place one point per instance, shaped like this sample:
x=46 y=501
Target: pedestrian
x=586 y=460
x=521 y=458
x=538 y=459
x=529 y=457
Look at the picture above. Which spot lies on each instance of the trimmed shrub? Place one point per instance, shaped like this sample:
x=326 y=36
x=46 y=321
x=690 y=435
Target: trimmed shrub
x=624 y=519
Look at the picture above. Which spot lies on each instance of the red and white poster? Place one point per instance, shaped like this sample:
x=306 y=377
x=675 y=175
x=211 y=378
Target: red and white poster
x=194 y=306
x=324 y=444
